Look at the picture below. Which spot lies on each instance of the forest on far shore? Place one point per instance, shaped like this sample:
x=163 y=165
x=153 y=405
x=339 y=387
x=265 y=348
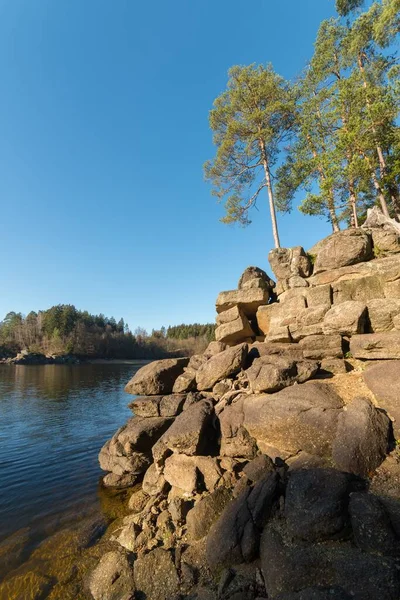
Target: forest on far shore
x=63 y=329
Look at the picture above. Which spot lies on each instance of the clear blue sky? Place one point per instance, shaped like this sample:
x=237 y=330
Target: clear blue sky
x=104 y=131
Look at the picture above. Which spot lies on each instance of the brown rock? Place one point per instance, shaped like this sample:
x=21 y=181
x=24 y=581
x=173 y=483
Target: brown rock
x=320 y=295
x=225 y=364
x=205 y=512
x=348 y=318
x=248 y=300
x=344 y=248
x=255 y=277
x=235 y=439
x=233 y=326
x=158 y=377
x=382 y=312
x=362 y=438
x=156 y=577
x=302 y=417
x=191 y=473
x=361 y=289
x=112 y=578
x=318 y=347
x=191 y=433
x=383 y=379
x=213 y=348
x=371 y=346
x=289 y=262
x=154 y=483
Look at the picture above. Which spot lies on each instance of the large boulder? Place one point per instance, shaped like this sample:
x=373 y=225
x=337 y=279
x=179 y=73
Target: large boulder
x=265 y=314
x=291 y=567
x=222 y=365
x=192 y=473
x=289 y=262
x=319 y=295
x=383 y=379
x=191 y=433
x=360 y=289
x=385 y=345
x=301 y=417
x=156 y=577
x=273 y=373
x=112 y=579
x=248 y=299
x=343 y=248
x=158 y=406
x=128 y=453
x=158 y=377
x=382 y=313
x=235 y=537
x=316 y=503
x=348 y=318
x=254 y=277
x=308 y=321
x=371 y=525
x=205 y=512
x=318 y=347
x=235 y=439
x=233 y=326
x=362 y=438
x=385 y=232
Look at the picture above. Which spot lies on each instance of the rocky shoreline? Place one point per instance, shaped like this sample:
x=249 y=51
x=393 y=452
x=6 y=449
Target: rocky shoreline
x=269 y=464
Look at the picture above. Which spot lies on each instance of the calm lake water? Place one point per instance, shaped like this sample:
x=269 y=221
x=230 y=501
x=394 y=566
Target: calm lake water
x=53 y=421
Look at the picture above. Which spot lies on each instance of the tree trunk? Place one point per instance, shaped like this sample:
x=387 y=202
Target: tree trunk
x=333 y=215
x=394 y=195
x=353 y=204
x=270 y=194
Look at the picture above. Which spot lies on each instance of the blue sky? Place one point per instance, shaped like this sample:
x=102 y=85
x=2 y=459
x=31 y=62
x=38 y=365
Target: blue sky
x=104 y=131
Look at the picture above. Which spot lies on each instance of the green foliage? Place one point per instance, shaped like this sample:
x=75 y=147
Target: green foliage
x=63 y=329
x=250 y=122
x=345 y=7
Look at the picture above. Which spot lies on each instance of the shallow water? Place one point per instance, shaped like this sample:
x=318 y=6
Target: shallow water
x=53 y=421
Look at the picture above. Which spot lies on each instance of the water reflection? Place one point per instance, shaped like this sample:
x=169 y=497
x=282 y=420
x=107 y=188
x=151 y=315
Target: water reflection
x=53 y=421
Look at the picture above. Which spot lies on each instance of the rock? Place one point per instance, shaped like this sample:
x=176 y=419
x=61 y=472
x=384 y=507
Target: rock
x=384 y=382
x=213 y=348
x=360 y=289
x=385 y=242
x=259 y=349
x=273 y=373
x=192 y=473
x=191 y=433
x=128 y=453
x=113 y=480
x=371 y=525
x=138 y=501
x=247 y=299
x=205 y=512
x=289 y=262
x=255 y=277
x=112 y=579
x=307 y=321
x=305 y=461
x=222 y=387
x=376 y=218
x=156 y=577
x=302 y=417
x=362 y=438
x=320 y=295
x=234 y=538
x=225 y=364
x=372 y=346
x=235 y=439
x=289 y=568
x=154 y=483
x=316 y=503
x=178 y=509
x=334 y=366
x=185 y=382
x=127 y=536
x=348 y=318
x=158 y=406
x=158 y=377
x=343 y=248
x=233 y=326
x=382 y=312
x=258 y=467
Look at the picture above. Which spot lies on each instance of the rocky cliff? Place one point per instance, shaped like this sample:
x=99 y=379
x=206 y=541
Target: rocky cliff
x=269 y=465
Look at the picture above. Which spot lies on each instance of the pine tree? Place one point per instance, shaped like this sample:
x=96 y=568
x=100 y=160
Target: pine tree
x=250 y=121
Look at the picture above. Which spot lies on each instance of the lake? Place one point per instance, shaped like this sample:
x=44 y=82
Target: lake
x=53 y=421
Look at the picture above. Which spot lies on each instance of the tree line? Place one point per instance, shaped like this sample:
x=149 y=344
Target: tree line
x=332 y=134
x=63 y=329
